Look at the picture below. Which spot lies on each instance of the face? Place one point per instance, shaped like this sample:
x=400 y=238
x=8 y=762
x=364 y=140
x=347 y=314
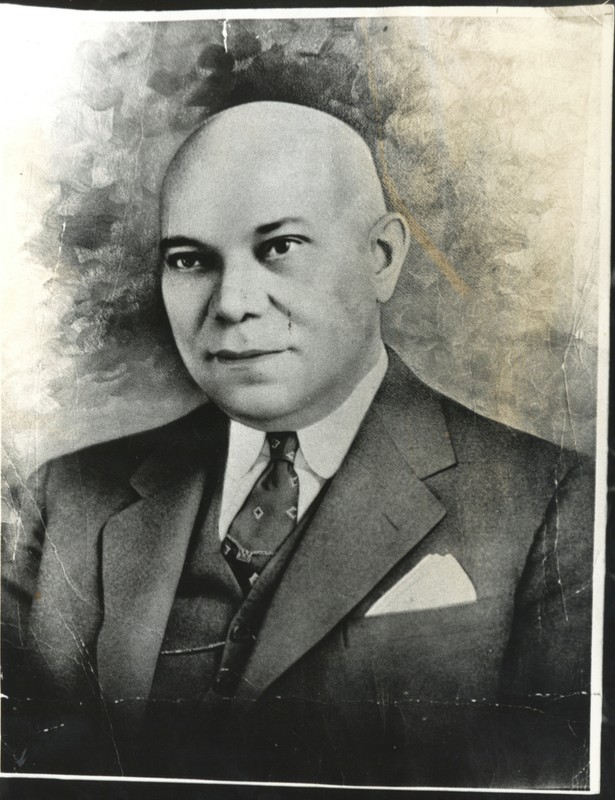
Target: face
x=269 y=287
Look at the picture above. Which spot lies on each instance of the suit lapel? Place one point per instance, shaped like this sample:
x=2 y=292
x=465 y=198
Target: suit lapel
x=375 y=511
x=143 y=552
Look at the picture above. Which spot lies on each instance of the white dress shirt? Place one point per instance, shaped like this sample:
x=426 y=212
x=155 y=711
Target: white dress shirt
x=322 y=448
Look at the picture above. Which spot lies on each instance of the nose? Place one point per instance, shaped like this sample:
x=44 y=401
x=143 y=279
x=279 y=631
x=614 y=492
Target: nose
x=239 y=293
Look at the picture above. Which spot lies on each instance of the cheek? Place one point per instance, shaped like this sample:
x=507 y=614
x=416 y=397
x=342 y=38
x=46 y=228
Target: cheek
x=329 y=321
x=185 y=303
x=347 y=307
x=347 y=284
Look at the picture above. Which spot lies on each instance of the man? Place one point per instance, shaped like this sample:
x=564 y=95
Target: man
x=327 y=574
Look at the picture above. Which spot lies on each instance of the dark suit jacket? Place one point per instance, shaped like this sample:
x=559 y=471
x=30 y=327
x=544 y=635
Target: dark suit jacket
x=491 y=693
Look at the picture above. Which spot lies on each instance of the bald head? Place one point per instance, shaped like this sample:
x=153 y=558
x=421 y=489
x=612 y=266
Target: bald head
x=312 y=153
x=277 y=253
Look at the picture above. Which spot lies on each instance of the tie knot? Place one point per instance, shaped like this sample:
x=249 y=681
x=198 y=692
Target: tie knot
x=283 y=446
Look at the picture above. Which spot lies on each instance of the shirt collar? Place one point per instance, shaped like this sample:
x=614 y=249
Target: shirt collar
x=245 y=445
x=323 y=444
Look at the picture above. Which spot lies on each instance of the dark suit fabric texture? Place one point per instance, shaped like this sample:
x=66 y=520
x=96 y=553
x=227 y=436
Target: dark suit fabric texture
x=492 y=693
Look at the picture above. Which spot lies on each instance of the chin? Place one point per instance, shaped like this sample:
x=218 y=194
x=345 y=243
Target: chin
x=256 y=406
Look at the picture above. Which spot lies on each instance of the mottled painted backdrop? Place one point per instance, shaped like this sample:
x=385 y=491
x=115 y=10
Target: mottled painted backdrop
x=486 y=132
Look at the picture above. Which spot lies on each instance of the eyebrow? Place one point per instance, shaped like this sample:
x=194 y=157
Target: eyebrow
x=269 y=227
x=180 y=241
x=187 y=241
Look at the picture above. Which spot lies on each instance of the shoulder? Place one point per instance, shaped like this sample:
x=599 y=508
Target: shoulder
x=115 y=461
x=495 y=461
x=477 y=441
x=477 y=438
x=513 y=469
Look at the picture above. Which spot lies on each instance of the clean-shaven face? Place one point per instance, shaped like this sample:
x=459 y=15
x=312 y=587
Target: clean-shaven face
x=268 y=278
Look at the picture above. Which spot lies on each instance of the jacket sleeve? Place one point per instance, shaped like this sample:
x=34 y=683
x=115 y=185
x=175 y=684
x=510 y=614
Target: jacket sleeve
x=546 y=688
x=23 y=535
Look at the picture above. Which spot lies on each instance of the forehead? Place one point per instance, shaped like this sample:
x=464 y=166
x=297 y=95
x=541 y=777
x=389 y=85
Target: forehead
x=214 y=187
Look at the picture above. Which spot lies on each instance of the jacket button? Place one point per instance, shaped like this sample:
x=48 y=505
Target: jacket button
x=239 y=633
x=223 y=683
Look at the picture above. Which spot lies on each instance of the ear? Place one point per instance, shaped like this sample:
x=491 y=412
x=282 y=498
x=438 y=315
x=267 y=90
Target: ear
x=389 y=242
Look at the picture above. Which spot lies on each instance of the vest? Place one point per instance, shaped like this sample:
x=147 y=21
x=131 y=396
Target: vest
x=209 y=636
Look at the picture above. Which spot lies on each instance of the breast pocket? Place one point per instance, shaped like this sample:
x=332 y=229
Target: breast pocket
x=438 y=654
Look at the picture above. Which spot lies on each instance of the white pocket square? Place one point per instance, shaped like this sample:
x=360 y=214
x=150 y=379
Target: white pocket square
x=435 y=582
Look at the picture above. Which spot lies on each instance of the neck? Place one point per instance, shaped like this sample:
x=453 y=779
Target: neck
x=297 y=421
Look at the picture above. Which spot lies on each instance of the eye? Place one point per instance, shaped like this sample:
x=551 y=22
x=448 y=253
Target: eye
x=277 y=248
x=184 y=261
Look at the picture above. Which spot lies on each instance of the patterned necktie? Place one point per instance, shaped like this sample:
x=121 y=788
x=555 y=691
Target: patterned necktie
x=268 y=515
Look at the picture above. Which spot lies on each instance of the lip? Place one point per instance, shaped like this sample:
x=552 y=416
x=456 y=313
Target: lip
x=242 y=356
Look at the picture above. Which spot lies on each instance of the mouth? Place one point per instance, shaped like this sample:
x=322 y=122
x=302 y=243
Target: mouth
x=241 y=356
